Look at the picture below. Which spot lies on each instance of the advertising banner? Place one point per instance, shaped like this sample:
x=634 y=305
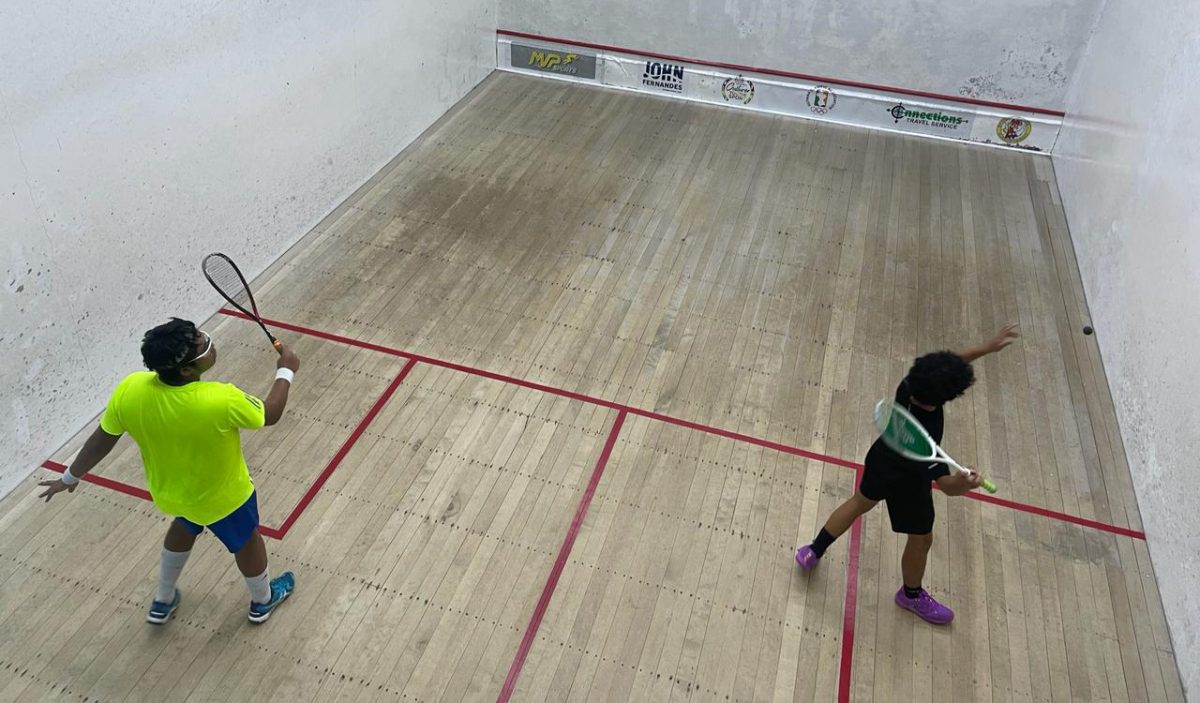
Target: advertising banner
x=830 y=102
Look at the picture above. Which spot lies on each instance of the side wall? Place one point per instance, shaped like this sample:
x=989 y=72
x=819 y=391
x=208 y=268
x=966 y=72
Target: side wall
x=1128 y=166
x=135 y=140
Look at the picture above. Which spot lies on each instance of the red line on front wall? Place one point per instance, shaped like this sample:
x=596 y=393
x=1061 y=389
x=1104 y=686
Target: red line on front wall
x=786 y=74
x=539 y=611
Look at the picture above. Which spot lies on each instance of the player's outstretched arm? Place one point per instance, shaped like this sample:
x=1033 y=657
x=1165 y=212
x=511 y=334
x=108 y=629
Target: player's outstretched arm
x=1006 y=336
x=97 y=446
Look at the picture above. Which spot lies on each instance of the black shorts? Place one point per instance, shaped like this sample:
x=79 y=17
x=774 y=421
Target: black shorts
x=906 y=490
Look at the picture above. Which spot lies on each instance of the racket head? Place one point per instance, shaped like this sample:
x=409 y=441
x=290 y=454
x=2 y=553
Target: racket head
x=902 y=433
x=224 y=276
x=905 y=435
x=227 y=279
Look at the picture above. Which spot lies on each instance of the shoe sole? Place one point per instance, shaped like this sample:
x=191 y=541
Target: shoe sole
x=267 y=615
x=155 y=621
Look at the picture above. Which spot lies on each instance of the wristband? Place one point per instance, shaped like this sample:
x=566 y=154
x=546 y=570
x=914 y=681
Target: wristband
x=285 y=374
x=68 y=478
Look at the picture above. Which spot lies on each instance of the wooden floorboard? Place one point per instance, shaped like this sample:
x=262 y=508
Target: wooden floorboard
x=750 y=274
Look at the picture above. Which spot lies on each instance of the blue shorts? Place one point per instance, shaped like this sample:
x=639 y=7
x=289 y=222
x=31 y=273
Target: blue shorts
x=235 y=529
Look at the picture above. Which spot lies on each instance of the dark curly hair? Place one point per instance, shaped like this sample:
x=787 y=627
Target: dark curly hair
x=939 y=377
x=166 y=347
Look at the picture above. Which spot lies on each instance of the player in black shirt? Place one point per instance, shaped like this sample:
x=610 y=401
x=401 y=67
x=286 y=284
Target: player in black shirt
x=933 y=380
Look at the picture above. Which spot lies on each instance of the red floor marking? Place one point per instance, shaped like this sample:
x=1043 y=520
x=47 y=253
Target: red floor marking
x=1054 y=514
x=345 y=449
x=136 y=492
x=102 y=481
x=728 y=434
x=787 y=74
x=267 y=531
x=539 y=611
x=849 y=609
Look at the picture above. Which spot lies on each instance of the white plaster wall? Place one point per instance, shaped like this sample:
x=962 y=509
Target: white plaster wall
x=137 y=136
x=1128 y=166
x=1019 y=51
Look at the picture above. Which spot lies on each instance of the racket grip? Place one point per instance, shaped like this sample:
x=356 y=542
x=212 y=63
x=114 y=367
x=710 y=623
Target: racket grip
x=988 y=486
x=278 y=345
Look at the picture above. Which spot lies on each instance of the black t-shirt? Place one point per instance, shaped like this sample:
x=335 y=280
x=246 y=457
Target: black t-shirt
x=934 y=422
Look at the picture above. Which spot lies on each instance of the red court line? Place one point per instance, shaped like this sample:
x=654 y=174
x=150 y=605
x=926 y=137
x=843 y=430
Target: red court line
x=850 y=610
x=728 y=434
x=267 y=531
x=345 y=449
x=554 y=391
x=142 y=493
x=539 y=611
x=102 y=481
x=787 y=74
x=1054 y=514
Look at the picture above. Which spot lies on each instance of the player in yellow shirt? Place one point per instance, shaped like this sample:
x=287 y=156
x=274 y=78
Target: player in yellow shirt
x=188 y=431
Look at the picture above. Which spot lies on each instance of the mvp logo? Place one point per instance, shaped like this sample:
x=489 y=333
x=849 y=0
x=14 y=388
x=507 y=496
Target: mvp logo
x=555 y=61
x=550 y=60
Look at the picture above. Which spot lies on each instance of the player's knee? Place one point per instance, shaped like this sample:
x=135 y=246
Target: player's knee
x=925 y=540
x=863 y=504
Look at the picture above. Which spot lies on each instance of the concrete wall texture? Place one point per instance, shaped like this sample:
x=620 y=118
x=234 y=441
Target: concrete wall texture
x=1128 y=166
x=1021 y=51
x=137 y=137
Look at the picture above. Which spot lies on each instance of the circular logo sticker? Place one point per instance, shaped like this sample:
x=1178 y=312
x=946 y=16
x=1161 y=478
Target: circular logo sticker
x=1013 y=130
x=821 y=99
x=738 y=90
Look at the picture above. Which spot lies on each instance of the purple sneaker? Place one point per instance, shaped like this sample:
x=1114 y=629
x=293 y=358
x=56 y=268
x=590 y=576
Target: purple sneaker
x=807 y=558
x=925 y=607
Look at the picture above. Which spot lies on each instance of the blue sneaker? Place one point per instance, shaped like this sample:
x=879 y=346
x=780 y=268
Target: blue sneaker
x=281 y=587
x=161 y=612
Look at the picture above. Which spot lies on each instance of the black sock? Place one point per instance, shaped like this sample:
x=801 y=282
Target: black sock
x=822 y=542
x=912 y=592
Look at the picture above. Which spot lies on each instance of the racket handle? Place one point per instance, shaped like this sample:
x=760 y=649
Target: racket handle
x=983 y=482
x=278 y=345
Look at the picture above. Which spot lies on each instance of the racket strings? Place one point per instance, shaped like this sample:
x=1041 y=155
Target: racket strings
x=226 y=279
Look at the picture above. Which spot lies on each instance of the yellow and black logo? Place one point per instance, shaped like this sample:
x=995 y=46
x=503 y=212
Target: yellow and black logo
x=564 y=63
x=548 y=60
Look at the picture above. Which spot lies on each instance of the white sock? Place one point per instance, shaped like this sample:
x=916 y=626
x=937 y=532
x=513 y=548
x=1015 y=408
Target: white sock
x=168 y=574
x=260 y=587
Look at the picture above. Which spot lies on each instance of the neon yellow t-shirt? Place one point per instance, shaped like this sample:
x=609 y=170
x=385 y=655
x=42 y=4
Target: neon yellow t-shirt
x=189 y=439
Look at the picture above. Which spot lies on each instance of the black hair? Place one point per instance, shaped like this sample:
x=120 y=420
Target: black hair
x=939 y=377
x=166 y=348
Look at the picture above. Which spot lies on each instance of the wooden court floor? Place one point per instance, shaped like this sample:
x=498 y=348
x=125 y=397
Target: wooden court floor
x=581 y=369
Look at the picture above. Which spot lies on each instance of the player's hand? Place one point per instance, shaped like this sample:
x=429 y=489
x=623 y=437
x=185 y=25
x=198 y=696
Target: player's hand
x=958 y=484
x=1006 y=336
x=55 y=487
x=288 y=359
